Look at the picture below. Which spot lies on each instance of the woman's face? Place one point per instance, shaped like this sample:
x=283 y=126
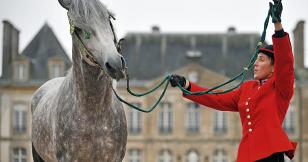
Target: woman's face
x=263 y=69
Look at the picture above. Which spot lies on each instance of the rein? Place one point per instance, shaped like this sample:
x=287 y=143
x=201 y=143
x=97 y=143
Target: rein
x=89 y=58
x=242 y=75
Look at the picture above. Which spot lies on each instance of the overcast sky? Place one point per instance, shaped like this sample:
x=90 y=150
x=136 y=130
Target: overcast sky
x=181 y=16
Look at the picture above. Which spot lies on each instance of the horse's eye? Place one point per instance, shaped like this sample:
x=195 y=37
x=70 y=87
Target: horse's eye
x=78 y=29
x=87 y=35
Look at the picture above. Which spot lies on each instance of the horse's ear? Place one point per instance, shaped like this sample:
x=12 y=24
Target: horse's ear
x=65 y=3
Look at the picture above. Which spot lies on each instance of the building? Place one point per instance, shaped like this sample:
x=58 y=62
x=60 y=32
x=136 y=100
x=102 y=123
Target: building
x=178 y=130
x=43 y=59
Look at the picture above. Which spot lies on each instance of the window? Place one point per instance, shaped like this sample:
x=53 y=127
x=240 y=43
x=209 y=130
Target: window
x=165 y=118
x=134 y=120
x=19 y=118
x=134 y=155
x=19 y=155
x=193 y=118
x=220 y=156
x=286 y=159
x=55 y=71
x=289 y=121
x=192 y=156
x=220 y=122
x=21 y=72
x=165 y=156
x=193 y=76
x=193 y=54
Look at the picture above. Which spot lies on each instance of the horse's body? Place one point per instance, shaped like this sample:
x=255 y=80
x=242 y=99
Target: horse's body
x=77 y=118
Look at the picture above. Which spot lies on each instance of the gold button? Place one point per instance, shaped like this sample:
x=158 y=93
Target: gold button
x=250 y=130
x=246 y=103
x=247 y=110
x=249 y=98
x=249 y=123
x=248 y=116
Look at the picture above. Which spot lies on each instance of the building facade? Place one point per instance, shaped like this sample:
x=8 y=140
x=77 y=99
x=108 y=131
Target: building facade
x=43 y=59
x=178 y=130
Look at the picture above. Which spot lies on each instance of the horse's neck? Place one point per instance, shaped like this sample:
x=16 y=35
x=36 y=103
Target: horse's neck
x=89 y=90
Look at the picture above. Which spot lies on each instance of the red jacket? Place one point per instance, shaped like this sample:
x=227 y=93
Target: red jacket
x=262 y=108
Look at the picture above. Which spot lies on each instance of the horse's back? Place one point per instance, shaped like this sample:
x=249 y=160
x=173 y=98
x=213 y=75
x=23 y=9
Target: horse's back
x=46 y=90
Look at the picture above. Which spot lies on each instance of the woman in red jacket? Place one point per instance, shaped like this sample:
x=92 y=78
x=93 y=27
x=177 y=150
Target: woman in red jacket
x=262 y=103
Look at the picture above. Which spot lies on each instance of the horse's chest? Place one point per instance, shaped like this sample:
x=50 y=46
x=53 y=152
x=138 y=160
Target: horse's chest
x=89 y=135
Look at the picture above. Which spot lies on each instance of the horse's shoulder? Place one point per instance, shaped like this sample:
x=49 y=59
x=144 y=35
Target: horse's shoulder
x=45 y=89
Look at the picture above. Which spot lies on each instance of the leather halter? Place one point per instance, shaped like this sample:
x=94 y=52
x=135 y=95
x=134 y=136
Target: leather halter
x=86 y=54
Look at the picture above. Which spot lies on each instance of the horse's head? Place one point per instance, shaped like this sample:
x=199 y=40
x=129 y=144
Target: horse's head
x=92 y=26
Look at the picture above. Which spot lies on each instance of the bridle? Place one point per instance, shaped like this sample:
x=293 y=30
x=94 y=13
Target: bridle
x=86 y=54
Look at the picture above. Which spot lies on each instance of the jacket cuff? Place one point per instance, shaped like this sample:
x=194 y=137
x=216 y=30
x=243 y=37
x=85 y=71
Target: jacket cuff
x=279 y=33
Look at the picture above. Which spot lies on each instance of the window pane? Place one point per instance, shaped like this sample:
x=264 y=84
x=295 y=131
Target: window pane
x=134 y=120
x=165 y=156
x=165 y=118
x=19 y=155
x=220 y=156
x=220 y=122
x=134 y=155
x=193 y=118
x=192 y=157
x=289 y=121
x=20 y=118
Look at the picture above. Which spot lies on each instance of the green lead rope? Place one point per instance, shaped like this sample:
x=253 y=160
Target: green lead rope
x=242 y=74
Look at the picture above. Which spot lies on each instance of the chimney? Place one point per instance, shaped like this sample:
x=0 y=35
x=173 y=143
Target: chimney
x=155 y=29
x=231 y=30
x=298 y=44
x=10 y=48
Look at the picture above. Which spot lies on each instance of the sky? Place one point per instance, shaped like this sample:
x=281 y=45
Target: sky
x=172 y=16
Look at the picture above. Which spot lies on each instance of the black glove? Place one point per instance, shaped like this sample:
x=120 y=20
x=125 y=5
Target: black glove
x=276 y=10
x=175 y=79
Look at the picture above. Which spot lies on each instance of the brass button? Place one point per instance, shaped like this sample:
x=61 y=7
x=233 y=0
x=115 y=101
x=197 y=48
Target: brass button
x=249 y=123
x=248 y=116
x=250 y=130
x=247 y=110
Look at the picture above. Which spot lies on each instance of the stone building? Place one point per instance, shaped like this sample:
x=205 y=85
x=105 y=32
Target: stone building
x=178 y=130
x=43 y=59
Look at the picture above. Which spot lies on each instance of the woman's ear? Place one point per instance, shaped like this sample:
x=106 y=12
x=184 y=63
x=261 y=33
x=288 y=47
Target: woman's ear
x=65 y=3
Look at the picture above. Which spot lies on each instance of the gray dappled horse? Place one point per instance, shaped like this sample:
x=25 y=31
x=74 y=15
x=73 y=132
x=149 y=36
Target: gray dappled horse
x=77 y=118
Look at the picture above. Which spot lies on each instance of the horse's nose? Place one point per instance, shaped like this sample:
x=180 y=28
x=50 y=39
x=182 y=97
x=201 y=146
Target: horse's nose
x=115 y=67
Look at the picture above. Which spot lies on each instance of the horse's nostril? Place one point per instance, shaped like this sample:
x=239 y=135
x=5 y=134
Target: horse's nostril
x=110 y=68
x=123 y=62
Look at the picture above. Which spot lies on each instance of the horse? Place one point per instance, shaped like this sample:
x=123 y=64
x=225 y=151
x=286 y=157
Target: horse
x=77 y=118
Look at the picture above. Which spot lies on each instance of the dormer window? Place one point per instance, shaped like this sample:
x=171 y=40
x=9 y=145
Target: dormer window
x=193 y=76
x=56 y=68
x=193 y=53
x=20 y=71
x=55 y=71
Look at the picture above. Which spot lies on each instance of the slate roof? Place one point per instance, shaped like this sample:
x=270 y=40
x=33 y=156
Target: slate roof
x=149 y=55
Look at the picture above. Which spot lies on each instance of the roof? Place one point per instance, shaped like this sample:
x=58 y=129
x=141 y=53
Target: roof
x=149 y=55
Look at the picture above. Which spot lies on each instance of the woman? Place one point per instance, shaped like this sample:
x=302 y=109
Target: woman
x=262 y=103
